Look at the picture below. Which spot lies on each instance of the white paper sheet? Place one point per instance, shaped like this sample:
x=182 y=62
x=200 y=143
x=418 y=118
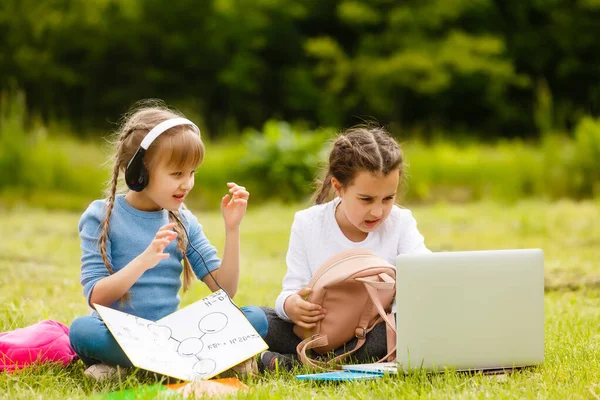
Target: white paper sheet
x=196 y=342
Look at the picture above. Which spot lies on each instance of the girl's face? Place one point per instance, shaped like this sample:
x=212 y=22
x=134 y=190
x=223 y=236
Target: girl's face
x=167 y=188
x=366 y=202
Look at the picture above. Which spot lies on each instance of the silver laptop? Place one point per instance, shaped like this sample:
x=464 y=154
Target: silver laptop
x=474 y=310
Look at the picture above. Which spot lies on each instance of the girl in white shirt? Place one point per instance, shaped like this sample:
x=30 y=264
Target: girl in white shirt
x=364 y=172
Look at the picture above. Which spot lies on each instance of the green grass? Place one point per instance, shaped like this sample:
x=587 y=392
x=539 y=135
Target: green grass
x=39 y=272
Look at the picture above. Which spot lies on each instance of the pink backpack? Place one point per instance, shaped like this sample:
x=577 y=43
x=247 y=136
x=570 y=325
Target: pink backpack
x=46 y=341
x=357 y=288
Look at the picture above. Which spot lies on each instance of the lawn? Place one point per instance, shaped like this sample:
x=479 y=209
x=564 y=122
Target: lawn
x=39 y=273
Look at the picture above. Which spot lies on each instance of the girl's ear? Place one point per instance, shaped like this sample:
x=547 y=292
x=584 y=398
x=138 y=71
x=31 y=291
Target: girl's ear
x=336 y=185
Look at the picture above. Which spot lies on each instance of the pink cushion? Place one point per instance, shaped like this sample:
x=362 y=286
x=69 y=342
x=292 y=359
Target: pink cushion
x=46 y=341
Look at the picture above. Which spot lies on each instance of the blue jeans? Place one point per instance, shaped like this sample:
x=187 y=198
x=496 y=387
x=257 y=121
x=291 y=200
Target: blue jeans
x=93 y=342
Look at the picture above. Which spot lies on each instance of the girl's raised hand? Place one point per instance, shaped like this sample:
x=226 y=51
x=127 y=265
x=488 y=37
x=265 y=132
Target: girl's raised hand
x=234 y=208
x=154 y=252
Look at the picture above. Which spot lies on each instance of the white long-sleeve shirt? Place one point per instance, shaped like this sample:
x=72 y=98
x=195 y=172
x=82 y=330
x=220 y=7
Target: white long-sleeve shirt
x=316 y=236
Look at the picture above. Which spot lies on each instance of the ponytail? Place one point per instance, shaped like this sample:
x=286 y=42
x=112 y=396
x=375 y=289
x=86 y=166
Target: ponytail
x=323 y=190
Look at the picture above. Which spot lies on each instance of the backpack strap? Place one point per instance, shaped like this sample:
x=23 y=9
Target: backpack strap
x=372 y=286
x=308 y=344
x=318 y=341
x=391 y=340
x=321 y=340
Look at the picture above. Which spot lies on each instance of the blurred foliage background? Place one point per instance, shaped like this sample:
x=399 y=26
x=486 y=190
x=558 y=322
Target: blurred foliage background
x=491 y=99
x=495 y=102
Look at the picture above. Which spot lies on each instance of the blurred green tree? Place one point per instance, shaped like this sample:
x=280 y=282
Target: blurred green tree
x=484 y=67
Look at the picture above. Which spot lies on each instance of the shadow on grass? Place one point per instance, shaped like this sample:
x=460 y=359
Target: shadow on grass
x=588 y=282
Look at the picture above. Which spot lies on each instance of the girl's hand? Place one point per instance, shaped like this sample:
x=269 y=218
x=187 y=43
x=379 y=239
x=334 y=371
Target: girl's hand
x=302 y=312
x=154 y=252
x=234 y=209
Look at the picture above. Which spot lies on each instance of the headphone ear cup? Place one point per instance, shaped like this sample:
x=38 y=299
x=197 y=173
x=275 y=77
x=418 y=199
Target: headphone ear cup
x=144 y=178
x=136 y=174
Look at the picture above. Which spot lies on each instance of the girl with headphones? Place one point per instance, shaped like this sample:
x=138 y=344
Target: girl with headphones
x=134 y=244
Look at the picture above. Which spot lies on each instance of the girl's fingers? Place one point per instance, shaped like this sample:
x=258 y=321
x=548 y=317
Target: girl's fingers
x=310 y=320
x=241 y=194
x=165 y=234
x=305 y=291
x=313 y=313
x=225 y=201
x=307 y=306
x=306 y=325
x=160 y=244
x=233 y=187
x=237 y=188
x=167 y=226
x=162 y=231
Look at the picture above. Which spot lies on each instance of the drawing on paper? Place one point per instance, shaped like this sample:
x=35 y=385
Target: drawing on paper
x=196 y=342
x=192 y=346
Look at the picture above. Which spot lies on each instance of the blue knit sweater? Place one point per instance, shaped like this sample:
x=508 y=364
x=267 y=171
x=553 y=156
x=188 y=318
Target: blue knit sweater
x=156 y=293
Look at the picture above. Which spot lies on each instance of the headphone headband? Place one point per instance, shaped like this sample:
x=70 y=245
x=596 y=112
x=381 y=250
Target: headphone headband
x=163 y=126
